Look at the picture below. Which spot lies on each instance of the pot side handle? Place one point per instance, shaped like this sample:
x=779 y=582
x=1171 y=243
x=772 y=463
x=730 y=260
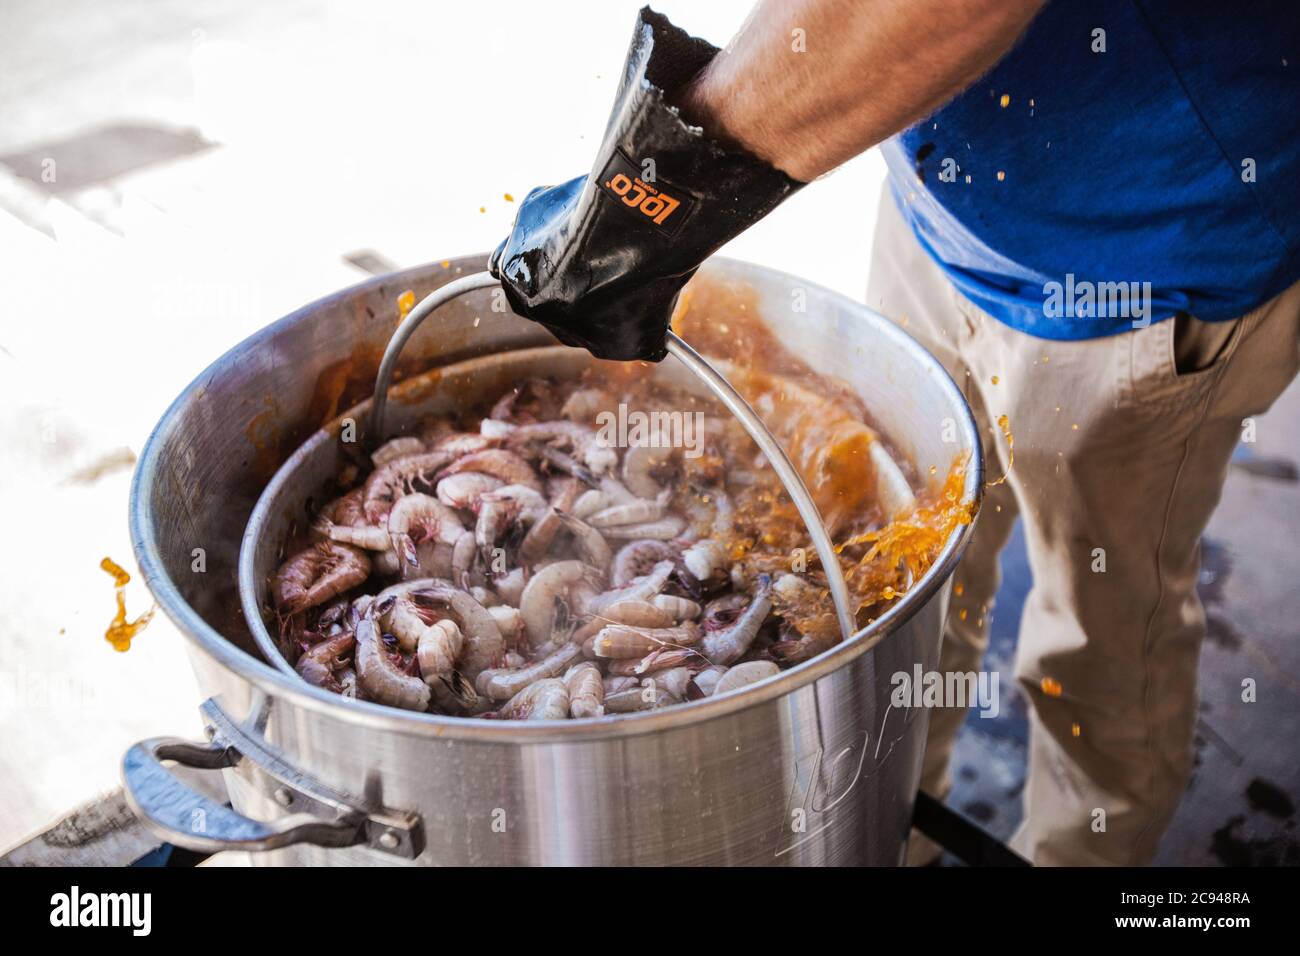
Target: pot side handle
x=186 y=818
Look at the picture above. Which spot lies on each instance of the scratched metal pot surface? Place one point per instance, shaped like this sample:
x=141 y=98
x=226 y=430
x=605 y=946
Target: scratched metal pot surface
x=814 y=767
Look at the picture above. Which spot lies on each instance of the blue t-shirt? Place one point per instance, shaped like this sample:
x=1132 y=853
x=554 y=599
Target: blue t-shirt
x=1097 y=180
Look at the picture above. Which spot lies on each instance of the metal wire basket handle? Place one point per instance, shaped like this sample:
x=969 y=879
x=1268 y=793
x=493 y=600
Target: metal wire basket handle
x=702 y=370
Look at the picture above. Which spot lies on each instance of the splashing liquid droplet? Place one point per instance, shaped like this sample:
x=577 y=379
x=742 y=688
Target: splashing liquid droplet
x=120 y=631
x=405 y=303
x=1004 y=423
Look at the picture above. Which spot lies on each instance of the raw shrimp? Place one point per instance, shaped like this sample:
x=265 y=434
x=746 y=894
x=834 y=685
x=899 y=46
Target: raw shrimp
x=591 y=544
x=674 y=681
x=706 y=681
x=433 y=560
x=792 y=650
x=679 y=608
x=637 y=558
x=509 y=622
x=488 y=598
x=399 y=616
x=639 y=463
x=438 y=648
x=642 y=588
x=565 y=463
x=710 y=510
x=544 y=700
x=586 y=690
x=385 y=563
x=582 y=441
x=616 y=493
x=645 y=697
x=614 y=684
x=722 y=611
x=319 y=663
x=346 y=510
x=588 y=503
x=620 y=640
x=640 y=511
x=499 y=510
x=358 y=609
x=392 y=481
x=795 y=647
x=416 y=518
x=744 y=674
x=331 y=617
x=510 y=586
x=633 y=612
x=540 y=536
x=565 y=582
x=504 y=683
x=504 y=409
x=401 y=447
x=398 y=611
x=705 y=559
x=484 y=645
x=464 y=443
x=584 y=404
x=369 y=537
x=495 y=431
x=728 y=644
x=500 y=463
x=464 y=554
x=317 y=574
x=382 y=680
x=463 y=490
x=547 y=574
x=660 y=659
x=665 y=529
x=344 y=520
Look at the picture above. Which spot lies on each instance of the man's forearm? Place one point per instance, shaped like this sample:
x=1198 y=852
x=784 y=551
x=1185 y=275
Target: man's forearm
x=859 y=71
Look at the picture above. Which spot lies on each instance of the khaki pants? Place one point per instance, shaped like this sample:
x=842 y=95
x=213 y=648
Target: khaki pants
x=1121 y=450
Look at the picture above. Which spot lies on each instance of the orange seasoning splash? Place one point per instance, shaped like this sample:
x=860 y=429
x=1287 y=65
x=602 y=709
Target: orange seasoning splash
x=820 y=422
x=405 y=303
x=908 y=546
x=120 y=631
x=1004 y=423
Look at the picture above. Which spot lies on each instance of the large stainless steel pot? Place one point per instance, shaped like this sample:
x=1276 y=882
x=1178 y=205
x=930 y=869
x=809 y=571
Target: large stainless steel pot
x=816 y=767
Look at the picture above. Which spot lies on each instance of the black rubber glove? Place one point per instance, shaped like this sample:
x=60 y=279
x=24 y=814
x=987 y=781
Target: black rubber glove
x=601 y=259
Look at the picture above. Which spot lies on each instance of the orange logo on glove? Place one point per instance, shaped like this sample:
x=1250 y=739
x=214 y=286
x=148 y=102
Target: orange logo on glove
x=621 y=182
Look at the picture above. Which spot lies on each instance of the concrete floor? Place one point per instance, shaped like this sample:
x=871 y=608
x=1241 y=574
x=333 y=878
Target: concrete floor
x=176 y=173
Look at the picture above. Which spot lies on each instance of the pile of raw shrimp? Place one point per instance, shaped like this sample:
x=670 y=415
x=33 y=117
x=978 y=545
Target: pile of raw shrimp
x=520 y=566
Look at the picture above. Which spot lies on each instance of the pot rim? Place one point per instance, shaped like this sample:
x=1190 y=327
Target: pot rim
x=270 y=680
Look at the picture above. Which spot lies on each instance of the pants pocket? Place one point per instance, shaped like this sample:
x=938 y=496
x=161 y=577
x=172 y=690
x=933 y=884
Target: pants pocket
x=1176 y=361
x=1198 y=346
